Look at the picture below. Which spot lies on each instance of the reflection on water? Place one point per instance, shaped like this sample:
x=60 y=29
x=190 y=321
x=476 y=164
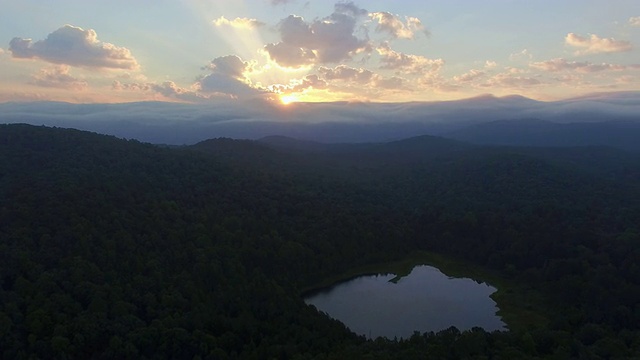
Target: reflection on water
x=425 y=300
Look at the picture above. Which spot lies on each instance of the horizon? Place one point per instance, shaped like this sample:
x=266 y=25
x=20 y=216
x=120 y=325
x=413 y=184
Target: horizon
x=286 y=51
x=184 y=123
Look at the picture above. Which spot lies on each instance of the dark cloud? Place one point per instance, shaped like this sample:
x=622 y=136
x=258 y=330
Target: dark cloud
x=287 y=55
x=74 y=46
x=350 y=8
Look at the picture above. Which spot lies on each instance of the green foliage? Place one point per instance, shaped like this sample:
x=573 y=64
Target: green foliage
x=117 y=249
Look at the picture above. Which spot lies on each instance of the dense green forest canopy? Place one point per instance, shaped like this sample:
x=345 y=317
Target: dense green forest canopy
x=118 y=249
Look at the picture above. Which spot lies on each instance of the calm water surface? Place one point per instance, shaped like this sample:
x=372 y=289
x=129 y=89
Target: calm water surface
x=425 y=300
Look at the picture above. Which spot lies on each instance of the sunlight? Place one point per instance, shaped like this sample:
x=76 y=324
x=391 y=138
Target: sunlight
x=288 y=99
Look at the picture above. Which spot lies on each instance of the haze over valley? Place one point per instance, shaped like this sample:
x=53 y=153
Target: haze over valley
x=288 y=179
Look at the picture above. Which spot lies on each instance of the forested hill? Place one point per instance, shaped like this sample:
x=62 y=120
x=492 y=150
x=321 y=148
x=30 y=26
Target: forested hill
x=118 y=249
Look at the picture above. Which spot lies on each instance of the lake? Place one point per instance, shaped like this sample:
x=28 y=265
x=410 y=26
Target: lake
x=424 y=300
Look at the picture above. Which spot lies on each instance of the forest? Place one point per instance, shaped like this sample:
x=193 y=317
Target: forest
x=116 y=249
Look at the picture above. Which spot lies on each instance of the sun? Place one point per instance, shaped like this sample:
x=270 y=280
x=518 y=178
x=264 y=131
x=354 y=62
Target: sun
x=288 y=99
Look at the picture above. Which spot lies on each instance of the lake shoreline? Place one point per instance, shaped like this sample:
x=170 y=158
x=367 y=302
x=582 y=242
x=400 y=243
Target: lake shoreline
x=519 y=307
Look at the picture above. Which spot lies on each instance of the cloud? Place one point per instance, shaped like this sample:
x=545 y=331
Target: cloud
x=395 y=27
x=634 y=21
x=322 y=41
x=168 y=89
x=595 y=44
x=359 y=76
x=511 y=80
x=406 y=63
x=308 y=82
x=117 y=85
x=238 y=23
x=74 y=46
x=1 y=51
x=291 y=56
x=393 y=82
x=489 y=64
x=346 y=73
x=472 y=75
x=229 y=76
x=560 y=64
x=524 y=54
x=231 y=65
x=58 y=77
x=350 y=8
x=350 y=82
x=171 y=90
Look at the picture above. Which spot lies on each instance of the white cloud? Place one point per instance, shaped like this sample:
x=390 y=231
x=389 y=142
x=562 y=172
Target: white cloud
x=511 y=80
x=74 y=46
x=342 y=79
x=394 y=26
x=489 y=64
x=58 y=77
x=322 y=41
x=346 y=73
x=393 y=82
x=524 y=54
x=634 y=21
x=231 y=65
x=227 y=79
x=229 y=76
x=171 y=90
x=361 y=77
x=167 y=89
x=560 y=64
x=472 y=75
x=595 y=44
x=238 y=23
x=300 y=85
x=406 y=63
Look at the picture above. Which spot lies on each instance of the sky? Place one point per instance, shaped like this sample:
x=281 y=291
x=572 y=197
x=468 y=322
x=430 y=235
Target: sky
x=285 y=51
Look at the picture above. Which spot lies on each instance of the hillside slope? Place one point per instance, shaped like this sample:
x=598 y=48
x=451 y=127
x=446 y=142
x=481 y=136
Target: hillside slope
x=117 y=249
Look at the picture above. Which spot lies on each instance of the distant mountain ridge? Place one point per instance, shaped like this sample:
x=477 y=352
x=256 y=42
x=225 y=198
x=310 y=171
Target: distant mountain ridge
x=535 y=132
x=338 y=122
